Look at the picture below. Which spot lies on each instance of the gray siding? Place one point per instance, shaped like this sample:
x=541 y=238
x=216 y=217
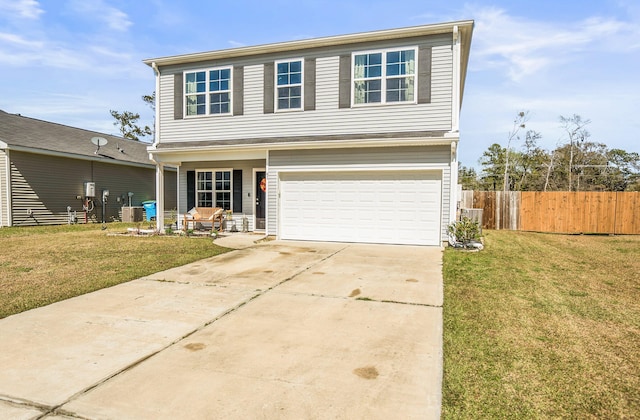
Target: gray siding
x=327 y=118
x=4 y=192
x=400 y=158
x=43 y=186
x=248 y=193
x=327 y=82
x=253 y=76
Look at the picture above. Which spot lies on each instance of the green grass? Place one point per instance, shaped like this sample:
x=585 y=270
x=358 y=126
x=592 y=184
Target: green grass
x=42 y=265
x=543 y=326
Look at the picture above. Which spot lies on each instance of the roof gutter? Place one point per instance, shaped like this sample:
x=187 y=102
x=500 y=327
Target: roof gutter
x=76 y=156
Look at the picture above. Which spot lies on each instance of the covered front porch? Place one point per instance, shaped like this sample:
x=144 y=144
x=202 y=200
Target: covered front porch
x=236 y=184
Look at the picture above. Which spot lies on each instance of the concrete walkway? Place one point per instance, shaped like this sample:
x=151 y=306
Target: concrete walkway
x=274 y=330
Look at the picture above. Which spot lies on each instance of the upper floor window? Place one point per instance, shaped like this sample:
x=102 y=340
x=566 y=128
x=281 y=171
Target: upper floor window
x=208 y=92
x=384 y=76
x=289 y=85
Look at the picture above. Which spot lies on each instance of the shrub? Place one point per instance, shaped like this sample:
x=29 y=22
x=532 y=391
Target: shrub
x=465 y=232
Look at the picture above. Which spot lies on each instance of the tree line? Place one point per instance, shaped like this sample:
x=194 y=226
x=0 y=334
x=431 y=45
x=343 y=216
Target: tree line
x=576 y=164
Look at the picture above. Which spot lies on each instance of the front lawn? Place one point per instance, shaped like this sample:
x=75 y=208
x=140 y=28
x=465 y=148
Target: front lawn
x=543 y=326
x=42 y=265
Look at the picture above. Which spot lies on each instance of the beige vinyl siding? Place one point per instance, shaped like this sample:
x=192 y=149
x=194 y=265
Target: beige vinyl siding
x=165 y=101
x=248 y=193
x=327 y=92
x=396 y=158
x=45 y=185
x=442 y=84
x=327 y=119
x=253 y=79
x=4 y=189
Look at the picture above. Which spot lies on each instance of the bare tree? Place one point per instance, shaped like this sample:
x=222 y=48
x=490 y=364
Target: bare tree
x=574 y=128
x=518 y=124
x=549 y=169
x=150 y=100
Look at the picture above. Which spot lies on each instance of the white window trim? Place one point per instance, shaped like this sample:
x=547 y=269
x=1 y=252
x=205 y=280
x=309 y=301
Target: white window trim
x=213 y=185
x=207 y=92
x=384 y=77
x=275 y=85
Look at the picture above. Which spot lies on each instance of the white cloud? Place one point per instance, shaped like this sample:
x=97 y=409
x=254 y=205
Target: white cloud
x=97 y=10
x=17 y=50
x=586 y=67
x=24 y=9
x=168 y=14
x=18 y=41
x=520 y=47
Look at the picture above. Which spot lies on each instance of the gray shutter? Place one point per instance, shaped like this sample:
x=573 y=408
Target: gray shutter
x=345 y=82
x=238 y=90
x=309 y=84
x=237 y=190
x=424 y=75
x=191 y=189
x=268 y=88
x=178 y=96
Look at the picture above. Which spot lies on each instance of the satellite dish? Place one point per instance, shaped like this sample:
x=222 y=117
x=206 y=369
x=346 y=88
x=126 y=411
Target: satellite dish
x=99 y=141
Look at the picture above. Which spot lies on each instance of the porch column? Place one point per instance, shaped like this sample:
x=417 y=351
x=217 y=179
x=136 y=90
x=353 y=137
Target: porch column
x=160 y=197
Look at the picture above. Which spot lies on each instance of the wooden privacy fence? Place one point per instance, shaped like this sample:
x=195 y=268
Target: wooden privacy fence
x=557 y=212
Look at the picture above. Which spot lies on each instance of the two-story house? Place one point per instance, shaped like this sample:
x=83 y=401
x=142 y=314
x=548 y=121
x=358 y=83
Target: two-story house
x=344 y=138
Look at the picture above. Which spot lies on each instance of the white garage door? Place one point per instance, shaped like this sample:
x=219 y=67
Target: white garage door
x=393 y=207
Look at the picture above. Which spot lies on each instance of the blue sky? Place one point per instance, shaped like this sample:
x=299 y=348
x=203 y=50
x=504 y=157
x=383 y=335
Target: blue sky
x=71 y=61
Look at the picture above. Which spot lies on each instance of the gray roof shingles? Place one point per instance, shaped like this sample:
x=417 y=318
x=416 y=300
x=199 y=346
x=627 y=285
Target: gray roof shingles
x=42 y=136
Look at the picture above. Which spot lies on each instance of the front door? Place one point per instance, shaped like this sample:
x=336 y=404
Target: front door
x=261 y=199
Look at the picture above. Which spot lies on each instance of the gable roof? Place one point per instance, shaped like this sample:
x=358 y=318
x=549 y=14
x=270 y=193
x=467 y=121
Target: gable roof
x=36 y=136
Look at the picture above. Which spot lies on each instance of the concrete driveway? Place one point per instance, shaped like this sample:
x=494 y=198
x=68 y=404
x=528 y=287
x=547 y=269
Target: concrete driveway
x=277 y=330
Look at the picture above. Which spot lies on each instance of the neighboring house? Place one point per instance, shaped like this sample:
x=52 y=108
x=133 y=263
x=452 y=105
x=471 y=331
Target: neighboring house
x=44 y=167
x=345 y=138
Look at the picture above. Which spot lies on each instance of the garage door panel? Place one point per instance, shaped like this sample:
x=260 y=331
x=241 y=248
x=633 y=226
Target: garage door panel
x=378 y=207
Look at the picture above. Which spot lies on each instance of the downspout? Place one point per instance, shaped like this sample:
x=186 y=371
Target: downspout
x=156 y=130
x=455 y=123
x=453 y=194
x=159 y=166
x=455 y=102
